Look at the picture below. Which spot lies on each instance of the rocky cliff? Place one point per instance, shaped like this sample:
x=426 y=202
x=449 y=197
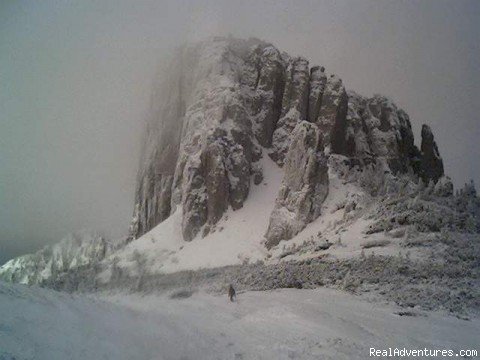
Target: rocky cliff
x=252 y=155
x=227 y=101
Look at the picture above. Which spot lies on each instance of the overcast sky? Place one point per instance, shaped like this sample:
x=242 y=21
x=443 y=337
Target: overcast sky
x=75 y=81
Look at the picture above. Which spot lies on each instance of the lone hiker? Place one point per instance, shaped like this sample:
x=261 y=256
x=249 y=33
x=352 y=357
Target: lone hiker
x=231 y=293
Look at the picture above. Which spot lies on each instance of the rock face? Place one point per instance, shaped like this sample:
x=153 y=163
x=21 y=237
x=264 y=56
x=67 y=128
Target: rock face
x=318 y=80
x=222 y=100
x=294 y=107
x=217 y=146
x=432 y=163
x=304 y=187
x=374 y=128
x=224 y=105
x=331 y=117
x=265 y=74
x=225 y=101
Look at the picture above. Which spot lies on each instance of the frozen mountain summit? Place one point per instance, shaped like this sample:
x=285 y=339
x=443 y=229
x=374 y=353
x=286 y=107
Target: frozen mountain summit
x=252 y=156
x=227 y=103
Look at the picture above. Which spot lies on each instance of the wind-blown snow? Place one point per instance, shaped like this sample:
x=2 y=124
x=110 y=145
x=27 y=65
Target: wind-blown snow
x=41 y=324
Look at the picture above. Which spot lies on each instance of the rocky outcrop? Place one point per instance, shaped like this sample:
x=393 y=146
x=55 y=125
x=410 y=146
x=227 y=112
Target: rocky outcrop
x=332 y=114
x=304 y=187
x=265 y=74
x=225 y=99
x=226 y=103
x=294 y=107
x=376 y=129
x=215 y=163
x=199 y=145
x=318 y=80
x=217 y=177
x=432 y=163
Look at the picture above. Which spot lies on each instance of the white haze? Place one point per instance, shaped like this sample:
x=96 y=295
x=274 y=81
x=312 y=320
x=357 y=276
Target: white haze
x=76 y=79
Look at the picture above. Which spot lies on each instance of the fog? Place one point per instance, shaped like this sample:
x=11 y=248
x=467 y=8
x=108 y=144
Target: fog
x=76 y=78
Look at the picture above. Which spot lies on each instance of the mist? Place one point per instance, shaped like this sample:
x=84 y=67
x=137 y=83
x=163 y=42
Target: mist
x=76 y=80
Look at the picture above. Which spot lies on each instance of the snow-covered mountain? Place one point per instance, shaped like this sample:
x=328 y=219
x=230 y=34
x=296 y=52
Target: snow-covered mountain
x=252 y=155
x=229 y=103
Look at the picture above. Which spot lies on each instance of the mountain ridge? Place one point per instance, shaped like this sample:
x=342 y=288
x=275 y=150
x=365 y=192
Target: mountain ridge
x=234 y=99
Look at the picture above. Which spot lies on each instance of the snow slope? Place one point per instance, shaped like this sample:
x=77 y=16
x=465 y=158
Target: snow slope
x=285 y=324
x=238 y=235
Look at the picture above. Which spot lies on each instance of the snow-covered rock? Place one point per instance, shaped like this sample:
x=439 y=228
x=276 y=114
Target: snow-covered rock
x=304 y=187
x=318 y=80
x=264 y=74
x=294 y=107
x=72 y=252
x=249 y=155
x=376 y=130
x=224 y=99
x=332 y=113
x=432 y=163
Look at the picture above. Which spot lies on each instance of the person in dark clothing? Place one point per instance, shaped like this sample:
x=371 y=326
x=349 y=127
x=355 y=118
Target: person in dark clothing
x=231 y=293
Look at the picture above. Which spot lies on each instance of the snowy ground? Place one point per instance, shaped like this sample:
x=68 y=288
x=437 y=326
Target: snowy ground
x=283 y=324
